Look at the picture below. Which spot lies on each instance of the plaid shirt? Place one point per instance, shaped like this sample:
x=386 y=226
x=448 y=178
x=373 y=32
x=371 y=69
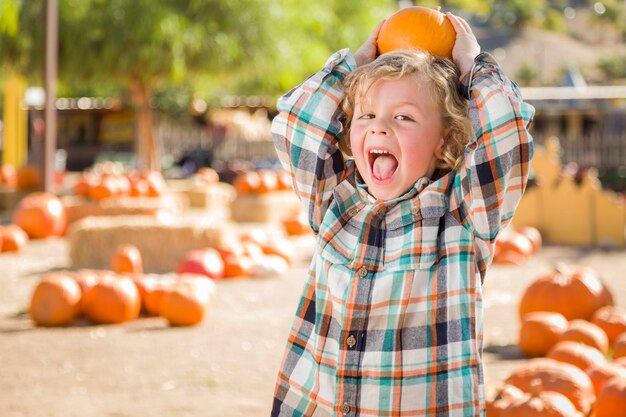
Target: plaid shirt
x=390 y=321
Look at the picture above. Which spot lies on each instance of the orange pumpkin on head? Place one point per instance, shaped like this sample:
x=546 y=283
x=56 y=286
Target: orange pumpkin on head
x=417 y=27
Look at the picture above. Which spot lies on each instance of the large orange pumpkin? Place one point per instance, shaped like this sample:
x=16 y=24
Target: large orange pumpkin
x=619 y=347
x=540 y=403
x=127 y=260
x=588 y=333
x=55 y=300
x=41 y=215
x=502 y=399
x=417 y=27
x=539 y=331
x=612 y=399
x=578 y=354
x=556 y=376
x=575 y=292
x=611 y=319
x=112 y=300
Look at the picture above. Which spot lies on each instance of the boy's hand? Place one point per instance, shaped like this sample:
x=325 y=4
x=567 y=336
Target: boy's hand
x=466 y=47
x=367 y=52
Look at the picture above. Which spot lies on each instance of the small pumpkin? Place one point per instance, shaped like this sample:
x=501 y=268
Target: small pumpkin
x=127 y=260
x=611 y=319
x=578 y=354
x=575 y=292
x=512 y=248
x=55 y=300
x=247 y=182
x=112 y=300
x=8 y=176
x=540 y=331
x=534 y=236
x=612 y=399
x=207 y=262
x=588 y=333
x=556 y=376
x=186 y=303
x=601 y=373
x=296 y=224
x=41 y=215
x=14 y=238
x=539 y=403
x=417 y=27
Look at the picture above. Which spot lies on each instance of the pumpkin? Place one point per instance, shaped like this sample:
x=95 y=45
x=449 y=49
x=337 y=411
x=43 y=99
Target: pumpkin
x=512 y=248
x=127 y=259
x=534 y=236
x=574 y=292
x=247 y=182
x=41 y=215
x=417 y=27
x=588 y=333
x=539 y=403
x=156 y=183
x=8 y=176
x=151 y=289
x=106 y=188
x=206 y=175
x=612 y=320
x=86 y=279
x=29 y=178
x=14 y=238
x=114 y=299
x=502 y=399
x=556 y=376
x=601 y=373
x=269 y=181
x=55 y=300
x=279 y=247
x=612 y=399
x=284 y=180
x=578 y=354
x=186 y=303
x=207 y=262
x=296 y=224
x=619 y=346
x=539 y=331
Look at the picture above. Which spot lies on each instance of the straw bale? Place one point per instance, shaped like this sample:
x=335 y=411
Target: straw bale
x=162 y=243
x=9 y=197
x=215 y=198
x=78 y=208
x=264 y=208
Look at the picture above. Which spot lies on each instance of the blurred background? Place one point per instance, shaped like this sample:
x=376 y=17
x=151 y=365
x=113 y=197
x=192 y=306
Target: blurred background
x=148 y=124
x=175 y=85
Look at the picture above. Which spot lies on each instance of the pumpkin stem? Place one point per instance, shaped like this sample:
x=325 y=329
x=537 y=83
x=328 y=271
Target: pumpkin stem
x=562 y=268
x=535 y=387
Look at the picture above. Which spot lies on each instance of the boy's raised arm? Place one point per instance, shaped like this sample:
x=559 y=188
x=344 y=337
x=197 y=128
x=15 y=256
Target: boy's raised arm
x=494 y=173
x=306 y=132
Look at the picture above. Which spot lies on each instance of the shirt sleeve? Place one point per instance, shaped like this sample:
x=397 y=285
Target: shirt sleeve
x=306 y=132
x=494 y=173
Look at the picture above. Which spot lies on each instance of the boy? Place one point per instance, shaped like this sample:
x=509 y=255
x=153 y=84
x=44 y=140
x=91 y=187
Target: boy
x=390 y=321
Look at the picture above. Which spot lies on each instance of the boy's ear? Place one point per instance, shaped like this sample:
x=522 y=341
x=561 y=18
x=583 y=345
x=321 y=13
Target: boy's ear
x=439 y=148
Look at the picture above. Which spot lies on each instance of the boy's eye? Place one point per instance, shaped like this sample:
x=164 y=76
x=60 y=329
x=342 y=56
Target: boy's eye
x=403 y=117
x=366 y=116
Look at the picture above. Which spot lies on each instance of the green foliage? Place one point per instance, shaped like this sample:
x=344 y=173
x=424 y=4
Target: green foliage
x=527 y=74
x=613 y=67
x=9 y=16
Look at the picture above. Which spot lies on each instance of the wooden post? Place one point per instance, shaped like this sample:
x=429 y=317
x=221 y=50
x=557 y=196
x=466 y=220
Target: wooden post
x=50 y=114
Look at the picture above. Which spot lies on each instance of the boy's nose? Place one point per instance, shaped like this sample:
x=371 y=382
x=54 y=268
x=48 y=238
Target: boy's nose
x=380 y=130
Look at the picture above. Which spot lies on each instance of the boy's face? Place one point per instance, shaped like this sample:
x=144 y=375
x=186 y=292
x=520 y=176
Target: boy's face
x=396 y=136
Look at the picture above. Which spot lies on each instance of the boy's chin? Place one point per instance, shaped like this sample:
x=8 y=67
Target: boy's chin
x=384 y=193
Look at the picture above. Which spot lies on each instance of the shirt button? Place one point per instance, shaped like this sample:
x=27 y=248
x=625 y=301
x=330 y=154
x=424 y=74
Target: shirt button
x=345 y=408
x=415 y=211
x=362 y=272
x=353 y=212
x=351 y=341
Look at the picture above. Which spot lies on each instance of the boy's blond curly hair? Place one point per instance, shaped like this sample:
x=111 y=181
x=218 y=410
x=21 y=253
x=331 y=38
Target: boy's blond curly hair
x=441 y=74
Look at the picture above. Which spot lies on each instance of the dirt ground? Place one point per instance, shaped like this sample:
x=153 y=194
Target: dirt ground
x=224 y=367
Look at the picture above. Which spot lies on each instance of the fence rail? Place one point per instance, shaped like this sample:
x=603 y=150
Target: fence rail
x=604 y=152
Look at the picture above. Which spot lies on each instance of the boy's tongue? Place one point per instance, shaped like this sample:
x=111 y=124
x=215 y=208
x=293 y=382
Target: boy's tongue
x=384 y=166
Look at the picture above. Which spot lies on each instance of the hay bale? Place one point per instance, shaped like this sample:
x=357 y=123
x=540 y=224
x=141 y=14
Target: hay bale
x=78 y=208
x=264 y=208
x=215 y=198
x=9 y=197
x=162 y=244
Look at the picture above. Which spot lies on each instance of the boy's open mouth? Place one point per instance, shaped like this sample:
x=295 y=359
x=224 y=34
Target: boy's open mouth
x=382 y=164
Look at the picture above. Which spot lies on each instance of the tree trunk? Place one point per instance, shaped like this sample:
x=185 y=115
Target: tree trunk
x=146 y=149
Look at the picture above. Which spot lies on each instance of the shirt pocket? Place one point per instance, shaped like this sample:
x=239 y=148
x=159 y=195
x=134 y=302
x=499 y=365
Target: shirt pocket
x=414 y=248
